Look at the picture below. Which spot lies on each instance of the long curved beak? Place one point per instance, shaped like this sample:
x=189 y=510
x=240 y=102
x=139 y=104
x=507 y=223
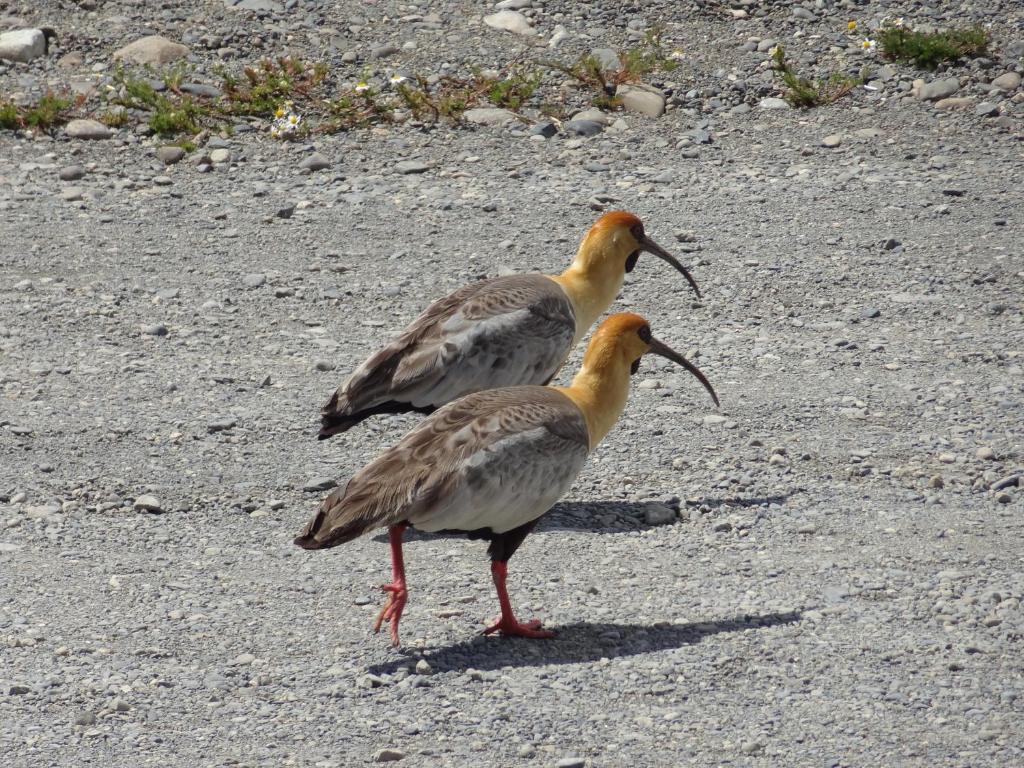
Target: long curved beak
x=664 y=350
x=652 y=247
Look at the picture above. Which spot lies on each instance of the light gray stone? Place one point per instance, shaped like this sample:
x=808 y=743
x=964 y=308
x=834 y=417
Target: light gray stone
x=1007 y=82
x=24 y=45
x=488 y=116
x=608 y=58
x=170 y=155
x=87 y=129
x=939 y=89
x=147 y=503
x=643 y=99
x=774 y=103
x=315 y=162
x=510 y=21
x=412 y=166
x=153 y=50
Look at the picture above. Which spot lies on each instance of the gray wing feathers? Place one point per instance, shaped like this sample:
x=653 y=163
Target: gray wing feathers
x=497 y=333
x=490 y=456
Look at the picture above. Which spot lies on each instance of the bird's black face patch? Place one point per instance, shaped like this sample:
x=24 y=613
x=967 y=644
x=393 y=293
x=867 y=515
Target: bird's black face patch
x=632 y=260
x=634 y=367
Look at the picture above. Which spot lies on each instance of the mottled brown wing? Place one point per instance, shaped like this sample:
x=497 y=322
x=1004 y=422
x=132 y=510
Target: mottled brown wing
x=528 y=442
x=497 y=333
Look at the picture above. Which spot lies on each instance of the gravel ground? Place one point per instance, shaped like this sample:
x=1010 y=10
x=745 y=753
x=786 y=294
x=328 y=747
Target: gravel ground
x=825 y=572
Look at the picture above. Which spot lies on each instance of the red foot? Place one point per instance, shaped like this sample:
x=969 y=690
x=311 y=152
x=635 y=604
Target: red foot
x=392 y=610
x=513 y=628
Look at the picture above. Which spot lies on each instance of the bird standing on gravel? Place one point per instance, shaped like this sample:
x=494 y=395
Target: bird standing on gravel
x=496 y=333
x=490 y=464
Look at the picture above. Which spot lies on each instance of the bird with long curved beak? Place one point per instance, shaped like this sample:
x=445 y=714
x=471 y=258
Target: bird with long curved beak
x=490 y=465
x=496 y=333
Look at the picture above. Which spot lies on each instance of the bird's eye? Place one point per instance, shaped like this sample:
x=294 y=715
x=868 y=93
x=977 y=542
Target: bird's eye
x=645 y=334
x=637 y=230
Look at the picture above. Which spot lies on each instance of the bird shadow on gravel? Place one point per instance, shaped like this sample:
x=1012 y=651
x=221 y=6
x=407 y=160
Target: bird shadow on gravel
x=581 y=642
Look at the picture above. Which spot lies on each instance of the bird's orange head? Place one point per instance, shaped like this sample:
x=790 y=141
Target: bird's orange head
x=613 y=246
x=624 y=338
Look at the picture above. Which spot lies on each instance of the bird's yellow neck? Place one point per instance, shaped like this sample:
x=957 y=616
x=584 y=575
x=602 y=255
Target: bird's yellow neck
x=592 y=282
x=600 y=391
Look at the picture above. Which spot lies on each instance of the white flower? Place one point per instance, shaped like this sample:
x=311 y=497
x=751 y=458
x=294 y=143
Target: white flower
x=397 y=79
x=294 y=120
x=868 y=46
x=362 y=86
x=676 y=55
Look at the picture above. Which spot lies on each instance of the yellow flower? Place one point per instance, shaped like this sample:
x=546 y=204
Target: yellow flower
x=279 y=112
x=851 y=26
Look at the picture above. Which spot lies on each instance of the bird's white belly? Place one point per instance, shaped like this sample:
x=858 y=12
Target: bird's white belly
x=505 y=487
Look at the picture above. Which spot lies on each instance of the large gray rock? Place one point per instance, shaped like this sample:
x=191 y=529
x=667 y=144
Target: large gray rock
x=641 y=98
x=24 y=45
x=153 y=50
x=87 y=129
x=510 y=21
x=939 y=89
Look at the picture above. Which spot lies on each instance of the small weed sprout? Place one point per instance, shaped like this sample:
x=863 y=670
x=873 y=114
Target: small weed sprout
x=634 y=65
x=804 y=93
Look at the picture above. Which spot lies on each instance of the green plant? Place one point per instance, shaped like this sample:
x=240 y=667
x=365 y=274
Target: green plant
x=175 y=76
x=115 y=118
x=133 y=92
x=48 y=112
x=805 y=93
x=929 y=49
x=265 y=87
x=634 y=65
x=10 y=120
x=175 y=116
x=647 y=57
x=514 y=91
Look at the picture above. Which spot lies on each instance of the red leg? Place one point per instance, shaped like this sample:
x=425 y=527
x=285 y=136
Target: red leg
x=508 y=625
x=397 y=593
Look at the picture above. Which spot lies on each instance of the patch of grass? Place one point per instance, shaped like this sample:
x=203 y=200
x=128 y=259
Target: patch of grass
x=46 y=114
x=804 y=93
x=172 y=117
x=515 y=90
x=10 y=120
x=115 y=118
x=133 y=92
x=268 y=85
x=929 y=49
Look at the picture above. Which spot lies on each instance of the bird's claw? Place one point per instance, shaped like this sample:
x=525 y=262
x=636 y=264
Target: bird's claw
x=392 y=610
x=513 y=628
